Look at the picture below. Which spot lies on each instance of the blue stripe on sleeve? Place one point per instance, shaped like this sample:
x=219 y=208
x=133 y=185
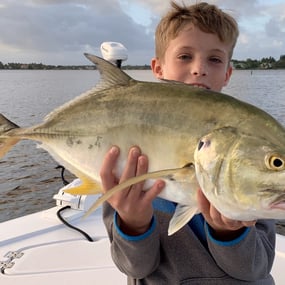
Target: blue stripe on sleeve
x=134 y=238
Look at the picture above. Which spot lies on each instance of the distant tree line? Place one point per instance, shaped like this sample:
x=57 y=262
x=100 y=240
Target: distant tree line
x=264 y=63
x=31 y=66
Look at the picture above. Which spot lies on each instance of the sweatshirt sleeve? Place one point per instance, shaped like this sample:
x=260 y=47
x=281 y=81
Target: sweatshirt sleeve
x=249 y=257
x=136 y=256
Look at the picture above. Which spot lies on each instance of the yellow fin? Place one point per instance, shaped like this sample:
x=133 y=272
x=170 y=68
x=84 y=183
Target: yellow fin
x=7 y=135
x=6 y=144
x=87 y=187
x=132 y=181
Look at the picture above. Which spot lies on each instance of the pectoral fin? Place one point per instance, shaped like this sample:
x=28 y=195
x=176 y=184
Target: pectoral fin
x=183 y=214
x=132 y=181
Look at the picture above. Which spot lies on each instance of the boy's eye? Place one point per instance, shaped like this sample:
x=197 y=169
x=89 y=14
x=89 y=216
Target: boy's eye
x=216 y=60
x=185 y=57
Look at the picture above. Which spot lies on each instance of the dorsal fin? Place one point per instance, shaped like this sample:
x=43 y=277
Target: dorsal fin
x=110 y=74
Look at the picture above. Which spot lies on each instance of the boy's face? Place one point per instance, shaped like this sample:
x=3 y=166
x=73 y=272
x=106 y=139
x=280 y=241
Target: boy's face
x=195 y=58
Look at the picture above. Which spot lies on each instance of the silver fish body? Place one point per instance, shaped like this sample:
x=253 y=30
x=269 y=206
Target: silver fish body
x=175 y=125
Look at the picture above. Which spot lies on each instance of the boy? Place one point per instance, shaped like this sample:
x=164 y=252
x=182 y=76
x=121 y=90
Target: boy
x=194 y=45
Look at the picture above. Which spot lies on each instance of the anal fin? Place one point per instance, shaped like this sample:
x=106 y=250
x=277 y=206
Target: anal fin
x=87 y=187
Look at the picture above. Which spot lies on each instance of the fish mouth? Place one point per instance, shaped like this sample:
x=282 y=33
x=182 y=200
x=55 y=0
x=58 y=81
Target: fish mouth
x=278 y=201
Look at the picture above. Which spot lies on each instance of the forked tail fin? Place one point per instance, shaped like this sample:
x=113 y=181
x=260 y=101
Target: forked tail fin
x=7 y=140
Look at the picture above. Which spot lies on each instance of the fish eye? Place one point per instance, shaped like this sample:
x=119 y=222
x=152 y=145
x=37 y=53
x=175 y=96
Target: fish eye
x=275 y=162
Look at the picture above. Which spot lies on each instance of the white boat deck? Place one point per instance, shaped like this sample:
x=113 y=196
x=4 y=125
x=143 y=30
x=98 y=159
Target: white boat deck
x=40 y=249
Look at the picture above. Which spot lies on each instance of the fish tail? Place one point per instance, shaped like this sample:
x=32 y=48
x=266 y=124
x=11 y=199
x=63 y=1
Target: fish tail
x=7 y=140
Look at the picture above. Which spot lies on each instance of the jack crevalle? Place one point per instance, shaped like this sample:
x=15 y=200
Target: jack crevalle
x=193 y=137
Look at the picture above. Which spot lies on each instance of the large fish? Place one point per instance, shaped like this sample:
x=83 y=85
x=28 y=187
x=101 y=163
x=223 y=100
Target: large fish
x=193 y=137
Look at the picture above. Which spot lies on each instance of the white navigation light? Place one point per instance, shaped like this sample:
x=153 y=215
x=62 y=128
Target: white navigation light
x=114 y=52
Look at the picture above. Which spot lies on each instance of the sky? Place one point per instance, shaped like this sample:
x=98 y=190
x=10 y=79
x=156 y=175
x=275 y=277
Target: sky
x=58 y=32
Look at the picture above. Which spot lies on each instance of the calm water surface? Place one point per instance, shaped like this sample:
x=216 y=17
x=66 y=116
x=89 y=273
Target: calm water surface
x=28 y=178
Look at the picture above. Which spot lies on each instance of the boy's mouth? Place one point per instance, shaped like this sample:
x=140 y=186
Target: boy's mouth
x=200 y=85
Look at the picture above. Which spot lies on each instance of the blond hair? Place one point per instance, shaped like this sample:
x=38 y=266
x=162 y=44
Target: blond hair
x=208 y=18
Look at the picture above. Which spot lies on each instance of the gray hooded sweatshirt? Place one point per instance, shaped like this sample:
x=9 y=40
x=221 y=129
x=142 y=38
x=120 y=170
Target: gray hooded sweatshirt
x=191 y=255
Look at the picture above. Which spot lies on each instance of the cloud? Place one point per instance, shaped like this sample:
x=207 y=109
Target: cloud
x=54 y=27
x=262 y=33
x=59 y=31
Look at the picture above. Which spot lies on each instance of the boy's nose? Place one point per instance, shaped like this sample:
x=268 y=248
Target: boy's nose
x=199 y=69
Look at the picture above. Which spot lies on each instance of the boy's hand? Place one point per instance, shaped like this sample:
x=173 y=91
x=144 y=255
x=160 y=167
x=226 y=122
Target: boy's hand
x=133 y=205
x=223 y=228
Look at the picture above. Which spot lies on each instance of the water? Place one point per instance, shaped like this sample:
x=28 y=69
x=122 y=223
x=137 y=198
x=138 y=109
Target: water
x=28 y=178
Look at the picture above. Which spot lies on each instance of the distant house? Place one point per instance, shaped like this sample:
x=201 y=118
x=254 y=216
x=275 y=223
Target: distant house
x=266 y=65
x=24 y=66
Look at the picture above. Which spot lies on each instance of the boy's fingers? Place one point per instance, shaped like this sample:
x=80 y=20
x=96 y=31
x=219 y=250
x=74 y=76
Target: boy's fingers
x=131 y=166
x=154 y=191
x=109 y=163
x=142 y=166
x=203 y=203
x=249 y=224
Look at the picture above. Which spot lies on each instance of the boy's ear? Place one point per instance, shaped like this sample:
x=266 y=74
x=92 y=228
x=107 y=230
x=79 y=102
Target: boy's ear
x=228 y=75
x=156 y=68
